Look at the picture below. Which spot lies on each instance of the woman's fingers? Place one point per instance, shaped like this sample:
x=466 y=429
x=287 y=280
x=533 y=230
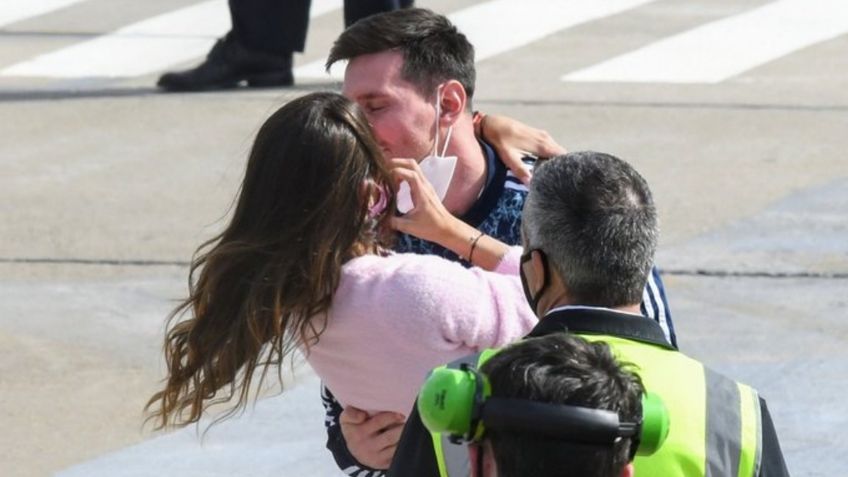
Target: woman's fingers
x=403 y=163
x=513 y=140
x=544 y=145
x=407 y=170
x=512 y=158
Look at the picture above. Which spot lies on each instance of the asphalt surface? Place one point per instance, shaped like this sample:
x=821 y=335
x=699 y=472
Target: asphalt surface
x=108 y=187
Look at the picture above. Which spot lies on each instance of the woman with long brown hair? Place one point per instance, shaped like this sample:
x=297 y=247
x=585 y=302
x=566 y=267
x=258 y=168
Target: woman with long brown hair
x=305 y=263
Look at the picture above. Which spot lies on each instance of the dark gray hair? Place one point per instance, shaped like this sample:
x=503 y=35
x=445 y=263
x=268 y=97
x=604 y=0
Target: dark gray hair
x=593 y=216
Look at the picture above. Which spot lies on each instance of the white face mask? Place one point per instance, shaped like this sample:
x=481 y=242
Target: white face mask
x=438 y=169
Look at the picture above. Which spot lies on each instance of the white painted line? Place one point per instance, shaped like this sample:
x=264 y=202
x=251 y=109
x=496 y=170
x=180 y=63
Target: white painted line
x=152 y=45
x=499 y=26
x=720 y=50
x=12 y=11
x=320 y=7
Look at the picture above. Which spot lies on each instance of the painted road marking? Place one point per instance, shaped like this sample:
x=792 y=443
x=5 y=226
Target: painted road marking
x=499 y=26
x=15 y=11
x=152 y=45
x=725 y=48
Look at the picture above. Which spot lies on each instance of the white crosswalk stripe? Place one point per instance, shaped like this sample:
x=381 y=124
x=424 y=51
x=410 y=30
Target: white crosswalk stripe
x=152 y=45
x=498 y=26
x=137 y=49
x=709 y=53
x=12 y=11
x=720 y=50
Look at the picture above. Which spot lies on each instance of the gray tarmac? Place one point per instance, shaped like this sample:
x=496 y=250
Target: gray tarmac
x=109 y=186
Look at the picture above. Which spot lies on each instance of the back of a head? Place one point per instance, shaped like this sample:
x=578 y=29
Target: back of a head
x=255 y=288
x=594 y=217
x=305 y=172
x=434 y=51
x=561 y=369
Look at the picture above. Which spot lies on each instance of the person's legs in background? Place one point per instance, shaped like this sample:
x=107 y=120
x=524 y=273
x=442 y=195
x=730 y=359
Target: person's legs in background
x=258 y=49
x=358 y=9
x=276 y=27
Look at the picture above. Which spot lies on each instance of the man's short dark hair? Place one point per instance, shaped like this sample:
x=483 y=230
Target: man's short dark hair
x=594 y=218
x=434 y=51
x=562 y=369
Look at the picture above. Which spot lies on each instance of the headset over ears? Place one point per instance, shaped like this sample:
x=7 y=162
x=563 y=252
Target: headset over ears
x=458 y=402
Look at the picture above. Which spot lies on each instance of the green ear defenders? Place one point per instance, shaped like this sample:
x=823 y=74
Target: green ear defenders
x=458 y=402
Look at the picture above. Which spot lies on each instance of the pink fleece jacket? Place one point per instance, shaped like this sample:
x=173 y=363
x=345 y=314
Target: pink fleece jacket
x=395 y=318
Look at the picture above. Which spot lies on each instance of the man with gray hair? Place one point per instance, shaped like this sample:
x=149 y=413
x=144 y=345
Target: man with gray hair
x=589 y=234
x=602 y=243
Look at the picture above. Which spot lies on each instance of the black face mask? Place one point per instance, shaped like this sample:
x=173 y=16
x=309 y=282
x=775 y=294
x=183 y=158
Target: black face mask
x=533 y=300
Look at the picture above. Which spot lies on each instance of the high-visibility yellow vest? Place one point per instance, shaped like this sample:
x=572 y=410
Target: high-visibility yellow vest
x=714 y=429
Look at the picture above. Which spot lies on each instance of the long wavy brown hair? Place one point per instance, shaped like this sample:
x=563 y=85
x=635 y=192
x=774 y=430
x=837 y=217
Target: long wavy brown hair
x=262 y=287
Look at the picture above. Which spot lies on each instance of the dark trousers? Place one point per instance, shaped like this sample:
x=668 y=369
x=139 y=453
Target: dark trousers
x=279 y=26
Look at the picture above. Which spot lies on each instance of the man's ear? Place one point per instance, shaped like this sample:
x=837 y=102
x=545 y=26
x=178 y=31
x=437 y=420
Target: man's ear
x=473 y=452
x=537 y=281
x=453 y=102
x=489 y=465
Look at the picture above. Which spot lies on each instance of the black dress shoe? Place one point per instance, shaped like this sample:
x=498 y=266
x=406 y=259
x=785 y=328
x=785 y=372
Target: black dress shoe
x=228 y=65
